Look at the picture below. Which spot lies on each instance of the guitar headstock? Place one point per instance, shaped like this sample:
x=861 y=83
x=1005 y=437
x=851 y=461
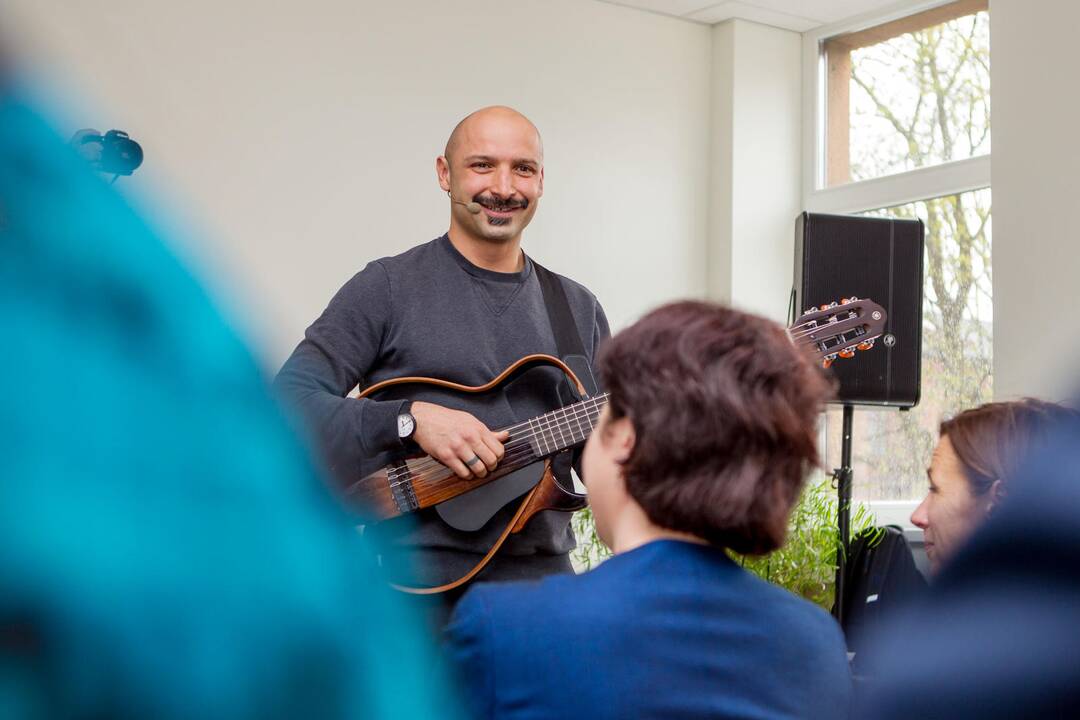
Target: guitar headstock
x=839 y=329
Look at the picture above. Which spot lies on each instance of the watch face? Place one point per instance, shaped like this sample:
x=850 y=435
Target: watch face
x=405 y=425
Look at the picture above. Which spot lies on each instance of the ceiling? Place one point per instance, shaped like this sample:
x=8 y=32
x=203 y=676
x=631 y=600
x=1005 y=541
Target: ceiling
x=797 y=15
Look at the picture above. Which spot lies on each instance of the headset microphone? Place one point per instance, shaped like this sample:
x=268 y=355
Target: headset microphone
x=473 y=207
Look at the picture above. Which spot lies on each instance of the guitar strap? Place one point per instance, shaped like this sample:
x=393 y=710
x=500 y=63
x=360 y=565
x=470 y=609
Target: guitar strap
x=567 y=337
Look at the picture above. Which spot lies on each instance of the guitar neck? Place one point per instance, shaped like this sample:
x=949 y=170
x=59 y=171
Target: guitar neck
x=530 y=441
x=422 y=482
x=555 y=431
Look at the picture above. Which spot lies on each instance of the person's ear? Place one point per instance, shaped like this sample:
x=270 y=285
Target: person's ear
x=442 y=170
x=621 y=436
x=997 y=494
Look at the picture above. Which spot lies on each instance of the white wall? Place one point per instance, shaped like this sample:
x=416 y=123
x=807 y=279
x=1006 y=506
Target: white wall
x=1036 y=186
x=756 y=161
x=302 y=136
x=300 y=141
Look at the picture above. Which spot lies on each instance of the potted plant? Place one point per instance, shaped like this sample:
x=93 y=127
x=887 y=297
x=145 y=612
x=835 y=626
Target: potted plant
x=805 y=565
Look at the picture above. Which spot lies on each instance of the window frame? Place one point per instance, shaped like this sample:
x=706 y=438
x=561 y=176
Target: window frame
x=901 y=188
x=896 y=189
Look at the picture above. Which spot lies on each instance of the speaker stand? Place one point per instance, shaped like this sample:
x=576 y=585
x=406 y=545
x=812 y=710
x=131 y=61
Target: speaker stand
x=843 y=477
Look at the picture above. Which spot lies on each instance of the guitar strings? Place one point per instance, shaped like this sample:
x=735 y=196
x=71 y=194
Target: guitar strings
x=813 y=325
x=440 y=472
x=515 y=444
x=518 y=447
x=795 y=332
x=430 y=476
x=518 y=450
x=828 y=328
x=424 y=476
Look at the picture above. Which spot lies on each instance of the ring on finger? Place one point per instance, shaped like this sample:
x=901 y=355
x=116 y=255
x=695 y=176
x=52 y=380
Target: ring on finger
x=473 y=460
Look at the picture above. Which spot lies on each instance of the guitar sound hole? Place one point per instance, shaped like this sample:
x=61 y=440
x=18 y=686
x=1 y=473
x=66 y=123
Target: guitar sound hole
x=565 y=477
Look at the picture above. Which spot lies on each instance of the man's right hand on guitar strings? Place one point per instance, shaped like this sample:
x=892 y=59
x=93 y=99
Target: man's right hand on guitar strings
x=457 y=439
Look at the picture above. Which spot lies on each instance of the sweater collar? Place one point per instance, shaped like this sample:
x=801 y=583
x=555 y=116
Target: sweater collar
x=484 y=273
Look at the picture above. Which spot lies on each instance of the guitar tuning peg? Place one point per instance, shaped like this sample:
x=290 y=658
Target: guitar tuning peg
x=845 y=301
x=824 y=307
x=865 y=345
x=833 y=304
x=827 y=362
x=847 y=352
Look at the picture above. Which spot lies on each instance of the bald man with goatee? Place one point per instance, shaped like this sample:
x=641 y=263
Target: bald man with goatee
x=462 y=307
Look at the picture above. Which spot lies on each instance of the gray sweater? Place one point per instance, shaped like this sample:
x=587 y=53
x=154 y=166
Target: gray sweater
x=430 y=312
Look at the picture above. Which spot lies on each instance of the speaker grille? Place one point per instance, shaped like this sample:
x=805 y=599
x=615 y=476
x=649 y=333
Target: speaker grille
x=839 y=256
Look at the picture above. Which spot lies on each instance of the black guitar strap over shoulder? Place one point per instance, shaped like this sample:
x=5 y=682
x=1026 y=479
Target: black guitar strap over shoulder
x=567 y=337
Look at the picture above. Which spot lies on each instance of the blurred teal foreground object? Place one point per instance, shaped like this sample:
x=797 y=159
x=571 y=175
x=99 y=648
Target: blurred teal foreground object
x=167 y=547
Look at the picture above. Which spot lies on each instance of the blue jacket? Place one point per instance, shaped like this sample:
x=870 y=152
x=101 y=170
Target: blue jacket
x=668 y=630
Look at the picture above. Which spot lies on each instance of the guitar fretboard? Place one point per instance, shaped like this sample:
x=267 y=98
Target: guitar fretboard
x=561 y=429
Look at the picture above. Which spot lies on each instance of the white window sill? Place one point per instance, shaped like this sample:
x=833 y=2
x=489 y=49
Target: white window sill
x=895 y=512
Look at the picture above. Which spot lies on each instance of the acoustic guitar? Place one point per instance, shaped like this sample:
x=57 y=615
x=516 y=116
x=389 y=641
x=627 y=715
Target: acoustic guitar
x=413 y=483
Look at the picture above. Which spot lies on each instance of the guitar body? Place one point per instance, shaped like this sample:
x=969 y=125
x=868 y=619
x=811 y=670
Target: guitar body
x=471 y=511
x=549 y=494
x=413 y=483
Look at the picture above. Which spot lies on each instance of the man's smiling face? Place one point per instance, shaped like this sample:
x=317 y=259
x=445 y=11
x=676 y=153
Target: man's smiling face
x=495 y=159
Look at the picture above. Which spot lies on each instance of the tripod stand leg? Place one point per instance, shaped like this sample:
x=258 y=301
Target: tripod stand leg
x=843 y=477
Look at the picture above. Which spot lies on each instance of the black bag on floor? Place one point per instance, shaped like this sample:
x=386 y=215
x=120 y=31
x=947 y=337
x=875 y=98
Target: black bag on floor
x=880 y=576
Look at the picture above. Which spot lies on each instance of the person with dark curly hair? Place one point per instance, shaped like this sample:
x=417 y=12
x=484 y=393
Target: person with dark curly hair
x=702 y=447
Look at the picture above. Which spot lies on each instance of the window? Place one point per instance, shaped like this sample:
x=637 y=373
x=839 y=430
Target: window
x=910 y=93
x=899 y=117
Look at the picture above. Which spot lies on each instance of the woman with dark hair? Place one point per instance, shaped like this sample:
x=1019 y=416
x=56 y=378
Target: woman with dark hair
x=703 y=446
x=977 y=452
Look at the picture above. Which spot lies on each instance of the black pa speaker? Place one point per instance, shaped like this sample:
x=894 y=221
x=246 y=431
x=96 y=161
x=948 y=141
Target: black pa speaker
x=881 y=259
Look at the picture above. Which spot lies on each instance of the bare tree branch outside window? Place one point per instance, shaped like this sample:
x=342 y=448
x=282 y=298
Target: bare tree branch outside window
x=920 y=99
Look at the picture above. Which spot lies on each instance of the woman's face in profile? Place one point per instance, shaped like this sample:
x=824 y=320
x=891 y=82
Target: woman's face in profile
x=950 y=512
